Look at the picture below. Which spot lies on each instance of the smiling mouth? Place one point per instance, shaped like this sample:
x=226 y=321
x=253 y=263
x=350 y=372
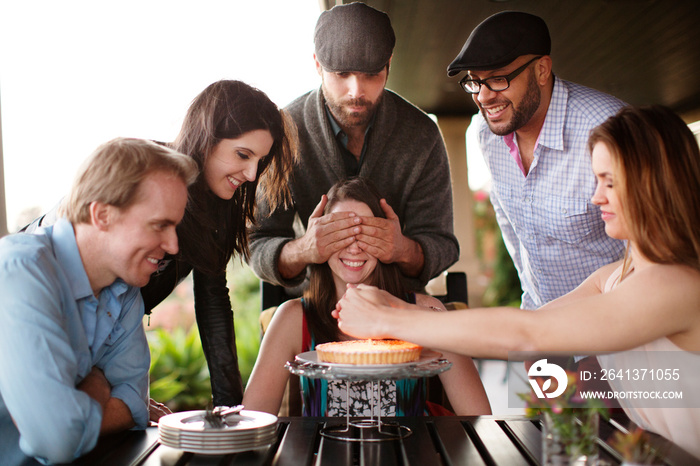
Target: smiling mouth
x=353 y=264
x=153 y=260
x=234 y=181
x=494 y=110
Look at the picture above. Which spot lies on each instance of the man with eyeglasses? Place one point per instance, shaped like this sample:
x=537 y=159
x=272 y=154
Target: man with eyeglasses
x=353 y=126
x=533 y=131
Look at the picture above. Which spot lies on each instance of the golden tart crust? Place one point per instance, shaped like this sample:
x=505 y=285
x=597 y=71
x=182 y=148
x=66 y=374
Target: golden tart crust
x=368 y=352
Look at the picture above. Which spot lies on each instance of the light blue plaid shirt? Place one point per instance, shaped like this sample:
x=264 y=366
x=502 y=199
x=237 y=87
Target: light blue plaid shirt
x=553 y=232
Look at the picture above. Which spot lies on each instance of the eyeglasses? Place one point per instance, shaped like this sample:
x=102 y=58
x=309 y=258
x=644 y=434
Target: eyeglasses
x=494 y=83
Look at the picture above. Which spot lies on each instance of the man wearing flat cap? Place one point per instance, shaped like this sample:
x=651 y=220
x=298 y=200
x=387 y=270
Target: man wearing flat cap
x=533 y=131
x=353 y=126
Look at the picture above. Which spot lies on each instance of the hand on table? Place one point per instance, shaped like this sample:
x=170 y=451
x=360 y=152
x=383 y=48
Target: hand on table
x=157 y=410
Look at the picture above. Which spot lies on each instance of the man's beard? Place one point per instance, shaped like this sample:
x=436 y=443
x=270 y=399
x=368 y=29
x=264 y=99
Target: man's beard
x=346 y=118
x=521 y=114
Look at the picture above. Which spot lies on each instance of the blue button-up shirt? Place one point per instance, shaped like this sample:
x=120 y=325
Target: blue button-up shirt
x=553 y=232
x=53 y=330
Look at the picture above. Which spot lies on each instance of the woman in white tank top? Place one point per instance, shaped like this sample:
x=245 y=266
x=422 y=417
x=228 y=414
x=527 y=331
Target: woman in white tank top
x=647 y=164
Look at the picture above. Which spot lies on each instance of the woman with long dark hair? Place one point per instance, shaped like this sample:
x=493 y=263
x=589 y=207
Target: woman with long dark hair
x=244 y=146
x=301 y=324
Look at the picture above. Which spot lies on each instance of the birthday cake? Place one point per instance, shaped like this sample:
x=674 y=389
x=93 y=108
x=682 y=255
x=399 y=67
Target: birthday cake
x=368 y=352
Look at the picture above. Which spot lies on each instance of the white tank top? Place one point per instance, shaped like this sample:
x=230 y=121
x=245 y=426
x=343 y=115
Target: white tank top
x=681 y=425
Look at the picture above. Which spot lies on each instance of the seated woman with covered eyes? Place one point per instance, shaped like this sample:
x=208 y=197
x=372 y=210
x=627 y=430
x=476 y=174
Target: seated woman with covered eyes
x=643 y=311
x=300 y=324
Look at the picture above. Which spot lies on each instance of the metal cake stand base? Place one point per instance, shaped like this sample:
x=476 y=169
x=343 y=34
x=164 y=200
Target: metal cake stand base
x=372 y=429
x=366 y=430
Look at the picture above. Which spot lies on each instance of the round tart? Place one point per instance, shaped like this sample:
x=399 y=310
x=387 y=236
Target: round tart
x=368 y=352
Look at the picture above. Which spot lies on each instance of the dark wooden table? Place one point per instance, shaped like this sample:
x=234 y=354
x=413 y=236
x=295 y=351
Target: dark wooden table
x=483 y=440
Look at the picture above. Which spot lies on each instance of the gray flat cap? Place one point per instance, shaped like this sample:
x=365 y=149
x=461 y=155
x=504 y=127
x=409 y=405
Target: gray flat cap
x=500 y=39
x=354 y=37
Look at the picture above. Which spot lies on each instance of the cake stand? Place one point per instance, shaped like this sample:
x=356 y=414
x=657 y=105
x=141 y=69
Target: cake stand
x=373 y=429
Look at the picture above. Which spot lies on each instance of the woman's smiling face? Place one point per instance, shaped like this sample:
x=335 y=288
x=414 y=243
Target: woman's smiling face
x=606 y=196
x=233 y=162
x=352 y=264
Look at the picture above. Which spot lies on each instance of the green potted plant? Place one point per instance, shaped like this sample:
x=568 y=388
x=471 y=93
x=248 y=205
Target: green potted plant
x=635 y=448
x=569 y=424
x=179 y=373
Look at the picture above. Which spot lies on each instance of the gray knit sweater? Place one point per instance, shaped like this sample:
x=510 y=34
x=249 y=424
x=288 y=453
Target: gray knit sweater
x=405 y=158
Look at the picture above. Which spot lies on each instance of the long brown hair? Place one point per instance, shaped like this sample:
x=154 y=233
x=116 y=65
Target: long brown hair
x=213 y=228
x=320 y=296
x=658 y=164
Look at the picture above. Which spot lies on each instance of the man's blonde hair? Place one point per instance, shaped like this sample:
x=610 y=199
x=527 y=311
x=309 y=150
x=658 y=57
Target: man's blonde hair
x=114 y=172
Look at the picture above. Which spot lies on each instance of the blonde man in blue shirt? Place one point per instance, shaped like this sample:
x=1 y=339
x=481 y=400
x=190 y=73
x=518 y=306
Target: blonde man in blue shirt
x=533 y=130
x=73 y=354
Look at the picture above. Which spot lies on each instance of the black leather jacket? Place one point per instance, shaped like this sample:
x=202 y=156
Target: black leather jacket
x=212 y=307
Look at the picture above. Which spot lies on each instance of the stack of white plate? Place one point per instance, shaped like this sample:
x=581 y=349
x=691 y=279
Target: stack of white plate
x=247 y=430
